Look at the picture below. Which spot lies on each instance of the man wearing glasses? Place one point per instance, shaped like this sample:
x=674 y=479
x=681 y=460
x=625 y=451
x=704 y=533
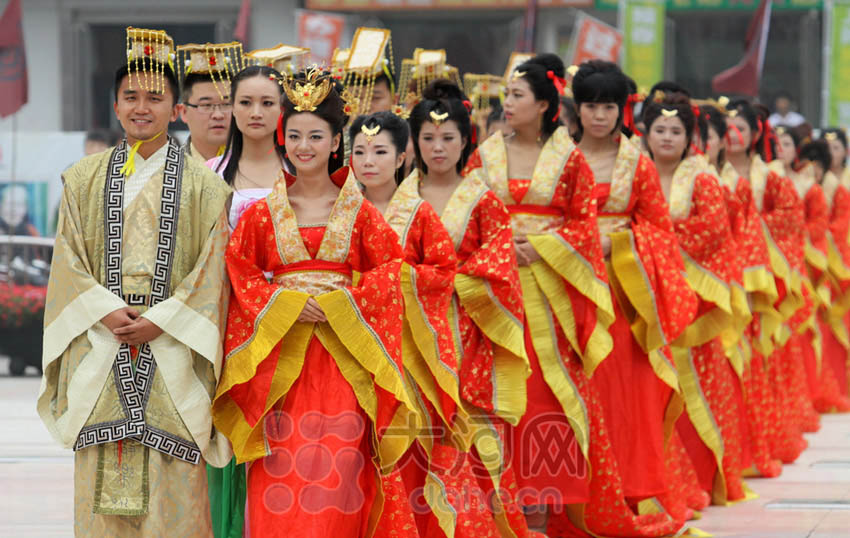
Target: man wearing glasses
x=206 y=106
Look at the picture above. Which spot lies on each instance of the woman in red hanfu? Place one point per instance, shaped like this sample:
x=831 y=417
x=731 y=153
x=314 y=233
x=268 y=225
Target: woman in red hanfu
x=378 y=144
x=838 y=198
x=756 y=342
x=548 y=189
x=313 y=377
x=653 y=304
x=485 y=316
x=710 y=380
x=783 y=225
x=825 y=278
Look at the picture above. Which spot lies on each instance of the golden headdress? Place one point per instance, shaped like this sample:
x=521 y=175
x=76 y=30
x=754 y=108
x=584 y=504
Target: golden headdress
x=149 y=53
x=365 y=62
x=425 y=66
x=483 y=89
x=219 y=61
x=309 y=90
x=285 y=59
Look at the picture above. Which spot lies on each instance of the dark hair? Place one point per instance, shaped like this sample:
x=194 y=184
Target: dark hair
x=332 y=110
x=598 y=81
x=674 y=101
x=151 y=66
x=396 y=127
x=234 y=137
x=790 y=131
x=842 y=137
x=390 y=82
x=817 y=151
x=570 y=109
x=715 y=119
x=666 y=87
x=782 y=94
x=442 y=96
x=497 y=114
x=189 y=82
x=536 y=73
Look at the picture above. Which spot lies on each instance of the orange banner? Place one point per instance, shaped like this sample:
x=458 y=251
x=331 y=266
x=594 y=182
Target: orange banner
x=321 y=33
x=595 y=40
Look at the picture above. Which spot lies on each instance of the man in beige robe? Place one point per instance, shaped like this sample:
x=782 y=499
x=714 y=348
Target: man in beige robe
x=134 y=319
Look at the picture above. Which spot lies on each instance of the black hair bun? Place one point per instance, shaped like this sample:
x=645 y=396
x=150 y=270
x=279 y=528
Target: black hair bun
x=676 y=99
x=549 y=62
x=442 y=88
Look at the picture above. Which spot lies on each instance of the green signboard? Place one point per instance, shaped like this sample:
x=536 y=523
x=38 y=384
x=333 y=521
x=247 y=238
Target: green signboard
x=642 y=26
x=740 y=5
x=838 y=67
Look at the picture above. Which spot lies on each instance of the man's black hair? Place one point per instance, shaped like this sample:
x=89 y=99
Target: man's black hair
x=150 y=66
x=189 y=82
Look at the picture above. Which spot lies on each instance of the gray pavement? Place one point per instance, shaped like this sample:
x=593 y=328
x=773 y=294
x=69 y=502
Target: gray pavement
x=36 y=481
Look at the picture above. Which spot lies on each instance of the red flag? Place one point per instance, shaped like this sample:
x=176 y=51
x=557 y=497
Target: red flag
x=243 y=25
x=744 y=78
x=13 y=62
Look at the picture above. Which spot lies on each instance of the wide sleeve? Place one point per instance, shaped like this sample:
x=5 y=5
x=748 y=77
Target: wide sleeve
x=712 y=264
x=650 y=268
x=785 y=228
x=488 y=288
x=366 y=325
x=78 y=349
x=427 y=280
x=264 y=346
x=574 y=252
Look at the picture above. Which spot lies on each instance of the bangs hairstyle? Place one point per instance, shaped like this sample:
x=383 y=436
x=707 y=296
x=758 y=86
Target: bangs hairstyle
x=389 y=123
x=536 y=74
x=817 y=151
x=442 y=96
x=234 y=136
x=149 y=65
x=598 y=81
x=682 y=105
x=332 y=110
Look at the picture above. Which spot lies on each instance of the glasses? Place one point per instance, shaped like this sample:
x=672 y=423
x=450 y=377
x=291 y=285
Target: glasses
x=207 y=108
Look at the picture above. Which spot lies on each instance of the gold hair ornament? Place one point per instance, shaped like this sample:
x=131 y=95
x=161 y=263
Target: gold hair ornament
x=733 y=113
x=517 y=74
x=370 y=133
x=572 y=70
x=723 y=101
x=669 y=113
x=828 y=136
x=438 y=119
x=780 y=130
x=308 y=94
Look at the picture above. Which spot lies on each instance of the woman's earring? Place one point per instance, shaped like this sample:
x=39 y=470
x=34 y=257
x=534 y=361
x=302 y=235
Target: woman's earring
x=333 y=155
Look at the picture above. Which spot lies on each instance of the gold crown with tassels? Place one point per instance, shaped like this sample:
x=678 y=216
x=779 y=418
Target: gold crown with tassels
x=149 y=53
x=219 y=61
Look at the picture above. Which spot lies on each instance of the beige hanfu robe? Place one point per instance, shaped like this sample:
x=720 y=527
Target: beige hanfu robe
x=138 y=419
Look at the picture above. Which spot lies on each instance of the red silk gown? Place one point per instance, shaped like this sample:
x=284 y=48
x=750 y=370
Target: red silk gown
x=568 y=309
x=707 y=360
x=310 y=405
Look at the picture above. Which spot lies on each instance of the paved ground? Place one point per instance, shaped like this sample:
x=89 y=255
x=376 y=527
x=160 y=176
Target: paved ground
x=36 y=481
